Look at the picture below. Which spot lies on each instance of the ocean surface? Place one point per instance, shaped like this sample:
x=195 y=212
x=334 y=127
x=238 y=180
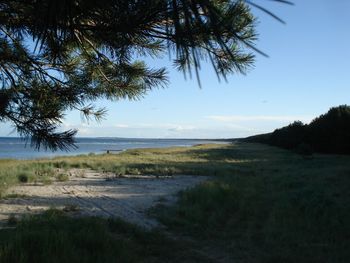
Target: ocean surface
x=16 y=148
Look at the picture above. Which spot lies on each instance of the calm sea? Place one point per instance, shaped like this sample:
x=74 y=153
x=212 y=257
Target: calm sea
x=15 y=148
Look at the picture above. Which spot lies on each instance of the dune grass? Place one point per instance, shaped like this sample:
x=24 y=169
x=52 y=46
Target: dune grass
x=14 y=171
x=162 y=162
x=263 y=204
x=155 y=161
x=272 y=206
x=53 y=237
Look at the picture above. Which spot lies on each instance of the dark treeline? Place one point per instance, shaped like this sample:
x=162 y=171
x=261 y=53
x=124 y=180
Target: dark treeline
x=328 y=133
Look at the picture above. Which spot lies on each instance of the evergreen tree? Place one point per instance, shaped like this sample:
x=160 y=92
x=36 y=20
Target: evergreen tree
x=59 y=55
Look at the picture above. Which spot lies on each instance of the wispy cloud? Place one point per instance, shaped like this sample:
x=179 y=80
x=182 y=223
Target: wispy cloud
x=226 y=127
x=121 y=125
x=181 y=128
x=247 y=118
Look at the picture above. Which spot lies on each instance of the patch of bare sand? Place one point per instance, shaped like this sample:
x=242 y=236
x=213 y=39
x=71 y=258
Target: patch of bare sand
x=88 y=193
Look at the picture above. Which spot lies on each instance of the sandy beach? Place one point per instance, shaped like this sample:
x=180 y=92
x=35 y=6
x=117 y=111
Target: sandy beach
x=98 y=194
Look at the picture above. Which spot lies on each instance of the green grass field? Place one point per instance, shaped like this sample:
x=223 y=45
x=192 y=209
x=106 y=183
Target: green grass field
x=263 y=204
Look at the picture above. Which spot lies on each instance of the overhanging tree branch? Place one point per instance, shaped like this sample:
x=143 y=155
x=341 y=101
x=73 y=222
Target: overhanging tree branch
x=61 y=55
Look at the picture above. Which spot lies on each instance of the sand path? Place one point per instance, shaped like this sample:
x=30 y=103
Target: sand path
x=96 y=194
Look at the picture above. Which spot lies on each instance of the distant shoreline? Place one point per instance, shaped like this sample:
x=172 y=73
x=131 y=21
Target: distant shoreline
x=17 y=148
x=137 y=138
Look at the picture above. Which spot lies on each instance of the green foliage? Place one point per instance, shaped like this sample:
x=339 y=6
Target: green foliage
x=328 y=133
x=57 y=56
x=26 y=171
x=23 y=177
x=62 y=177
x=119 y=170
x=290 y=136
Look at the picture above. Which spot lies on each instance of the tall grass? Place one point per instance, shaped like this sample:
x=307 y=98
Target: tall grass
x=13 y=172
x=162 y=162
x=55 y=238
x=278 y=208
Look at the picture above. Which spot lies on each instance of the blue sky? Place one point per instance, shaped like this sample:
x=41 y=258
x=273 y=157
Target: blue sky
x=307 y=72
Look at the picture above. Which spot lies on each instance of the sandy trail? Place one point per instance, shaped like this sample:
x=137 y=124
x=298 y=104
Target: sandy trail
x=96 y=194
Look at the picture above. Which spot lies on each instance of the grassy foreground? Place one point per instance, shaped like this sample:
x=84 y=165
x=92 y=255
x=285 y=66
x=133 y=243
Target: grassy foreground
x=55 y=238
x=263 y=205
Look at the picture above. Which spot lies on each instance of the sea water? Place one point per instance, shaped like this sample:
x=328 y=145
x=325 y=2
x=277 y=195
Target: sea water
x=16 y=148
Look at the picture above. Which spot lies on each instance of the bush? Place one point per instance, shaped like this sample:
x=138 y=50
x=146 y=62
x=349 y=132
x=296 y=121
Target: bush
x=23 y=177
x=62 y=177
x=120 y=170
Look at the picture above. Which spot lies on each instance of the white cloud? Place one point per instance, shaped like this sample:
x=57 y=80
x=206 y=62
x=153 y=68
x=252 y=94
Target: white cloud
x=181 y=128
x=121 y=126
x=215 y=126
